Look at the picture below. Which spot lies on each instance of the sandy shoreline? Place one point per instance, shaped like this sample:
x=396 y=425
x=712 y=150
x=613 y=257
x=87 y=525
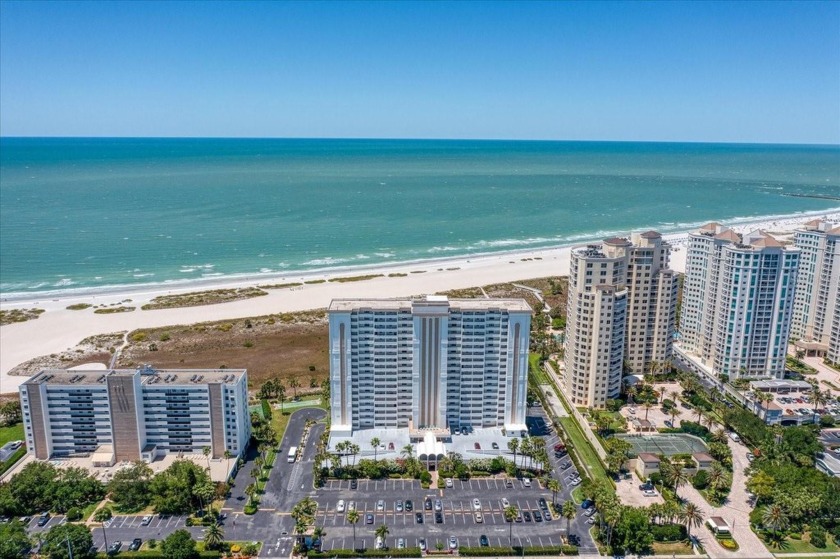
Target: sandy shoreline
x=59 y=329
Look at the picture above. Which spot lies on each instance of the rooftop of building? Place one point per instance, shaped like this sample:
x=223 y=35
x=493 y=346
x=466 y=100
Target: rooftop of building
x=757 y=239
x=649 y=458
x=778 y=383
x=820 y=226
x=702 y=456
x=348 y=305
x=148 y=375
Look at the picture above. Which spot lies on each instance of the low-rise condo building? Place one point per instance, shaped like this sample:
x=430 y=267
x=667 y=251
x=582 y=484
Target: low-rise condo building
x=428 y=365
x=620 y=314
x=140 y=414
x=816 y=306
x=737 y=302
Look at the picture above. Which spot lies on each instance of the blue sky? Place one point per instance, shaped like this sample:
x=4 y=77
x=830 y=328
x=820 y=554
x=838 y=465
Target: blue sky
x=657 y=71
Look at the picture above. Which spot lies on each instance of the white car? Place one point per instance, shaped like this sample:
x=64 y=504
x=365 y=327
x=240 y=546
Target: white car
x=449 y=482
x=401 y=543
x=649 y=493
x=340 y=506
x=422 y=543
x=380 y=543
x=380 y=505
x=735 y=437
x=479 y=518
x=453 y=542
x=505 y=502
x=476 y=504
x=526 y=482
x=352 y=505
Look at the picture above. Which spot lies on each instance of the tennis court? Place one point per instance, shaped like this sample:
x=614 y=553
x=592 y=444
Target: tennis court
x=668 y=444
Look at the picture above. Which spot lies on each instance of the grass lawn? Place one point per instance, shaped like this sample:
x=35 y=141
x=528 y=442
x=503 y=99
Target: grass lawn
x=88 y=510
x=672 y=548
x=13 y=433
x=804 y=546
x=577 y=495
x=535 y=370
x=584 y=450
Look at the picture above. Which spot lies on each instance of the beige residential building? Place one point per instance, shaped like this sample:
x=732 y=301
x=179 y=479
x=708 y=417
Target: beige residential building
x=621 y=310
x=816 y=306
x=737 y=302
x=123 y=415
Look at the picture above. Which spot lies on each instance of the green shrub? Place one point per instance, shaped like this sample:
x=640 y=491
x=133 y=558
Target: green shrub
x=668 y=532
x=569 y=549
x=74 y=514
x=165 y=337
x=700 y=480
x=266 y=408
x=250 y=509
x=408 y=552
x=818 y=536
x=795 y=536
x=139 y=336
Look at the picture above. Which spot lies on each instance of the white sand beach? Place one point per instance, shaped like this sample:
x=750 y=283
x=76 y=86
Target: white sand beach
x=58 y=329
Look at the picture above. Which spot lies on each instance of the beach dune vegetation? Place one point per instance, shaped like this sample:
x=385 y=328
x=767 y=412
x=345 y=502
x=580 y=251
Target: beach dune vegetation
x=19 y=315
x=199 y=298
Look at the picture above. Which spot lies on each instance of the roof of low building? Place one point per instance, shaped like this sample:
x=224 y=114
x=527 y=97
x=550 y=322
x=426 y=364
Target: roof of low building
x=648 y=457
x=702 y=457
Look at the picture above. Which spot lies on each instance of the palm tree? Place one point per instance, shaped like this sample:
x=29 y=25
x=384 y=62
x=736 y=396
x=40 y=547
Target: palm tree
x=553 y=486
x=213 y=536
x=375 y=442
x=206 y=452
x=228 y=456
x=294 y=384
x=818 y=398
x=774 y=518
x=511 y=512
x=709 y=422
x=647 y=405
x=631 y=391
x=250 y=491
x=691 y=515
x=102 y=516
x=353 y=518
x=354 y=450
x=407 y=451
x=676 y=476
x=382 y=532
x=610 y=514
x=525 y=448
x=674 y=412
x=281 y=394
x=513 y=446
x=569 y=511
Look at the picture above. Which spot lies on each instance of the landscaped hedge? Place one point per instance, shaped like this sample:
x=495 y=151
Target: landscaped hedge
x=12 y=460
x=668 y=532
x=517 y=550
x=266 y=409
x=407 y=552
x=155 y=554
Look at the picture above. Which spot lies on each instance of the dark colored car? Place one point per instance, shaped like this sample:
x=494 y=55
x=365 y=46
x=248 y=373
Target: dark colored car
x=526 y=515
x=438 y=518
x=369 y=518
x=43 y=519
x=409 y=506
x=427 y=504
x=537 y=516
x=574 y=540
x=135 y=544
x=114 y=547
x=483 y=541
x=586 y=504
x=543 y=504
x=418 y=517
x=354 y=484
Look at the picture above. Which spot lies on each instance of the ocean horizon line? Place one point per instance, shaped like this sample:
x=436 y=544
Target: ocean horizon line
x=428 y=139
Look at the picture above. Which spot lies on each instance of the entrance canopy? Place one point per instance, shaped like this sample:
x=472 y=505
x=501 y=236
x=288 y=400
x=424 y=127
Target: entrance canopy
x=430 y=448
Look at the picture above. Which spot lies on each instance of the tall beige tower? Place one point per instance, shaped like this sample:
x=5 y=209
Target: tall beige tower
x=621 y=310
x=816 y=305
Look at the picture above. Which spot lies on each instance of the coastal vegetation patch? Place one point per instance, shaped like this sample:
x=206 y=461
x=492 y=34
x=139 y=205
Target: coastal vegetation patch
x=114 y=310
x=281 y=285
x=199 y=298
x=315 y=281
x=285 y=347
x=418 y=271
x=397 y=275
x=19 y=315
x=356 y=278
x=79 y=307
x=93 y=349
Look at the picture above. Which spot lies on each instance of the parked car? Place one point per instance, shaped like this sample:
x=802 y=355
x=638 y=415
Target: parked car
x=483 y=541
x=449 y=482
x=340 y=506
x=135 y=544
x=354 y=484
x=380 y=543
x=409 y=506
x=399 y=506
x=586 y=504
x=476 y=504
x=401 y=543
x=526 y=482
x=418 y=517
x=380 y=505
x=44 y=519
x=351 y=505
x=114 y=547
x=537 y=516
x=479 y=518
x=427 y=504
x=495 y=446
x=526 y=515
x=438 y=518
x=453 y=542
x=438 y=505
x=590 y=512
x=735 y=437
x=146 y=520
x=649 y=493
x=422 y=544
x=543 y=504
x=368 y=518
x=505 y=502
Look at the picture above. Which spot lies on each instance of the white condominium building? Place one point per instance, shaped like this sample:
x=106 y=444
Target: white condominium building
x=142 y=414
x=738 y=301
x=621 y=310
x=428 y=364
x=816 y=306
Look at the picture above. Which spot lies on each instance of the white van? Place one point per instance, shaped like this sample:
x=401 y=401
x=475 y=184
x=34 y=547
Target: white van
x=734 y=436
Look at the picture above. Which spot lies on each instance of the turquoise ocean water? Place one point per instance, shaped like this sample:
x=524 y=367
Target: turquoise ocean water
x=99 y=213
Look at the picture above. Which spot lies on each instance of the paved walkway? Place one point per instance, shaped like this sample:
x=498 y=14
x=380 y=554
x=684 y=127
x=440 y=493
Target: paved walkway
x=551 y=396
x=736 y=512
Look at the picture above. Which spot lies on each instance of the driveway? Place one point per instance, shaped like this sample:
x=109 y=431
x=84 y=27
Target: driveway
x=736 y=512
